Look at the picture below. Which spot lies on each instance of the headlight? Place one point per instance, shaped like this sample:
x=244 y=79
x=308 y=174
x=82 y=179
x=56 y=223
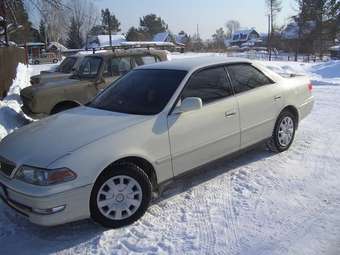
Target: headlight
x=44 y=177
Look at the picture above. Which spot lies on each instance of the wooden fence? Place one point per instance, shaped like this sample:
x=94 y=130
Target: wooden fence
x=9 y=59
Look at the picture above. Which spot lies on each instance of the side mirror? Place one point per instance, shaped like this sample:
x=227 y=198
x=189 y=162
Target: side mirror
x=189 y=104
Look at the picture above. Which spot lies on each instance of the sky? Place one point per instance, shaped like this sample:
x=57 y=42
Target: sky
x=186 y=14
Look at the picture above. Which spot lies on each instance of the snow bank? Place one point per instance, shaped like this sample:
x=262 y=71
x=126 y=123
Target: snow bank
x=11 y=116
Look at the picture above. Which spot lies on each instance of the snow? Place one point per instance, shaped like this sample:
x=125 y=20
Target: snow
x=255 y=203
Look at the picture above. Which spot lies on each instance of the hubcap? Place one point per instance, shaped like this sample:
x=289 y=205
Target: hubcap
x=119 y=197
x=286 y=131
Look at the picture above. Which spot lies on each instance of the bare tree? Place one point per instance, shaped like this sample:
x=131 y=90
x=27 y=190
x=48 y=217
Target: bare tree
x=274 y=7
x=232 y=26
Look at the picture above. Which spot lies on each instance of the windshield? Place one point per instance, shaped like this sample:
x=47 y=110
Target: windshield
x=142 y=92
x=67 y=65
x=89 y=67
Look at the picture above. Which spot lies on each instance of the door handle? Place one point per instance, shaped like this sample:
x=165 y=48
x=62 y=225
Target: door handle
x=276 y=98
x=229 y=114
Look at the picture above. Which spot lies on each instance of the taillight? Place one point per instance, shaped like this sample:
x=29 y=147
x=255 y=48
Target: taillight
x=310 y=87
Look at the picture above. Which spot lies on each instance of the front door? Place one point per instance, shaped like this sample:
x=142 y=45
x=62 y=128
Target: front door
x=198 y=137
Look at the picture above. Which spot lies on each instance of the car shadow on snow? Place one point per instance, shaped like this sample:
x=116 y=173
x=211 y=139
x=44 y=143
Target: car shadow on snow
x=56 y=239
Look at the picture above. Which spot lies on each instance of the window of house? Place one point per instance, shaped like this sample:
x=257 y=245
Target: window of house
x=245 y=77
x=209 y=85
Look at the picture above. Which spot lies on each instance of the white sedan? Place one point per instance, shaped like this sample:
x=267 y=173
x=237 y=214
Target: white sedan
x=105 y=160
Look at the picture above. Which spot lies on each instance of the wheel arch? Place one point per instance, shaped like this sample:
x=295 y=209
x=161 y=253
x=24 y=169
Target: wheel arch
x=142 y=163
x=293 y=110
x=64 y=103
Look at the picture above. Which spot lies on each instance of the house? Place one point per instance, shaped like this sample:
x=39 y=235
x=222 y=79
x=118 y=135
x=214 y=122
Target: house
x=162 y=37
x=247 y=37
x=56 y=47
x=180 y=40
x=101 y=41
x=34 y=49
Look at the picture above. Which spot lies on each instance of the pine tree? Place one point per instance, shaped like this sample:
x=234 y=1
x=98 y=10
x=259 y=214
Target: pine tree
x=42 y=31
x=74 y=40
x=151 y=25
x=19 y=17
x=110 y=21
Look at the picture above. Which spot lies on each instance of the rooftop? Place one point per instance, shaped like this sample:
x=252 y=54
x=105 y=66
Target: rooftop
x=191 y=64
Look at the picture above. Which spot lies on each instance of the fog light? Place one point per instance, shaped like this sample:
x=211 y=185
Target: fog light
x=50 y=210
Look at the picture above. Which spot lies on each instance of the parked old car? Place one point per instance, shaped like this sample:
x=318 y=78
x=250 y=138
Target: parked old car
x=95 y=72
x=45 y=58
x=64 y=70
x=158 y=122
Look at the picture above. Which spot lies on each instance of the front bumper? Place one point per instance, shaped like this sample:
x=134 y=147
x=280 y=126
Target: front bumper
x=75 y=204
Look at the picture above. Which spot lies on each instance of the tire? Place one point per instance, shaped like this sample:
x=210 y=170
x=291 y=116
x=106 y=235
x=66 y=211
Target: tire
x=55 y=60
x=36 y=62
x=120 y=209
x=284 y=133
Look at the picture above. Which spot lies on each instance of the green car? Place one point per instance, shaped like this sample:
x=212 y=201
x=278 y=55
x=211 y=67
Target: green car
x=95 y=72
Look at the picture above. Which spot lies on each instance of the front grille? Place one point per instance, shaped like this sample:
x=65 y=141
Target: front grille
x=6 y=168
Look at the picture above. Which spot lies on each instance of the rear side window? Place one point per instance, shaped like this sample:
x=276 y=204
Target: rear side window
x=120 y=66
x=245 y=77
x=209 y=85
x=145 y=60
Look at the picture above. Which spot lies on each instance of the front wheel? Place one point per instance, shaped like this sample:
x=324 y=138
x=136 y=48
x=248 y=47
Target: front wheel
x=120 y=196
x=284 y=132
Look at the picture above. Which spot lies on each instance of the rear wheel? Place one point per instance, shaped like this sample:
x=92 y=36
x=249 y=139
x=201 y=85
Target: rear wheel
x=55 y=60
x=36 y=62
x=284 y=132
x=120 y=196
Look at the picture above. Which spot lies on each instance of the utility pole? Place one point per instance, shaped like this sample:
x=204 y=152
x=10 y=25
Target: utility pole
x=269 y=37
x=109 y=27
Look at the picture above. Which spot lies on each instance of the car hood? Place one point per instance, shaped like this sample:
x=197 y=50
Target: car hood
x=30 y=91
x=51 y=76
x=42 y=142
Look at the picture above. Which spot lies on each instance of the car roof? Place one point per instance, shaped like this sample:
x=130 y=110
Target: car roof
x=194 y=63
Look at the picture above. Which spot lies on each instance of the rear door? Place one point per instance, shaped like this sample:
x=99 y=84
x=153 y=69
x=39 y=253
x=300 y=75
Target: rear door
x=201 y=136
x=260 y=101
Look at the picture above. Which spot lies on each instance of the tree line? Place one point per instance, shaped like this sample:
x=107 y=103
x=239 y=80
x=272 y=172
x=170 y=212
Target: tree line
x=317 y=25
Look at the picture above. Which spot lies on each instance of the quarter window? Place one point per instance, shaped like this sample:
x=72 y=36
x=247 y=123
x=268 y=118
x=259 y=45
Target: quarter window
x=145 y=60
x=245 y=77
x=120 y=66
x=209 y=85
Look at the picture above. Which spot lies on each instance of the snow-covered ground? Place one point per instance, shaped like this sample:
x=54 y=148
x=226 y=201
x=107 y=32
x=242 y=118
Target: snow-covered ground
x=256 y=203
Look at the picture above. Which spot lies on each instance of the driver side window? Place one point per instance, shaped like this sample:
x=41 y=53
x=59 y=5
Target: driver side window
x=210 y=85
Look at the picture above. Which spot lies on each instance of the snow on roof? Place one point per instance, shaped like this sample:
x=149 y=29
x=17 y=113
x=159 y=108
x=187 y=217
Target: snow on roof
x=147 y=43
x=181 y=39
x=335 y=48
x=161 y=37
x=59 y=46
x=33 y=44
